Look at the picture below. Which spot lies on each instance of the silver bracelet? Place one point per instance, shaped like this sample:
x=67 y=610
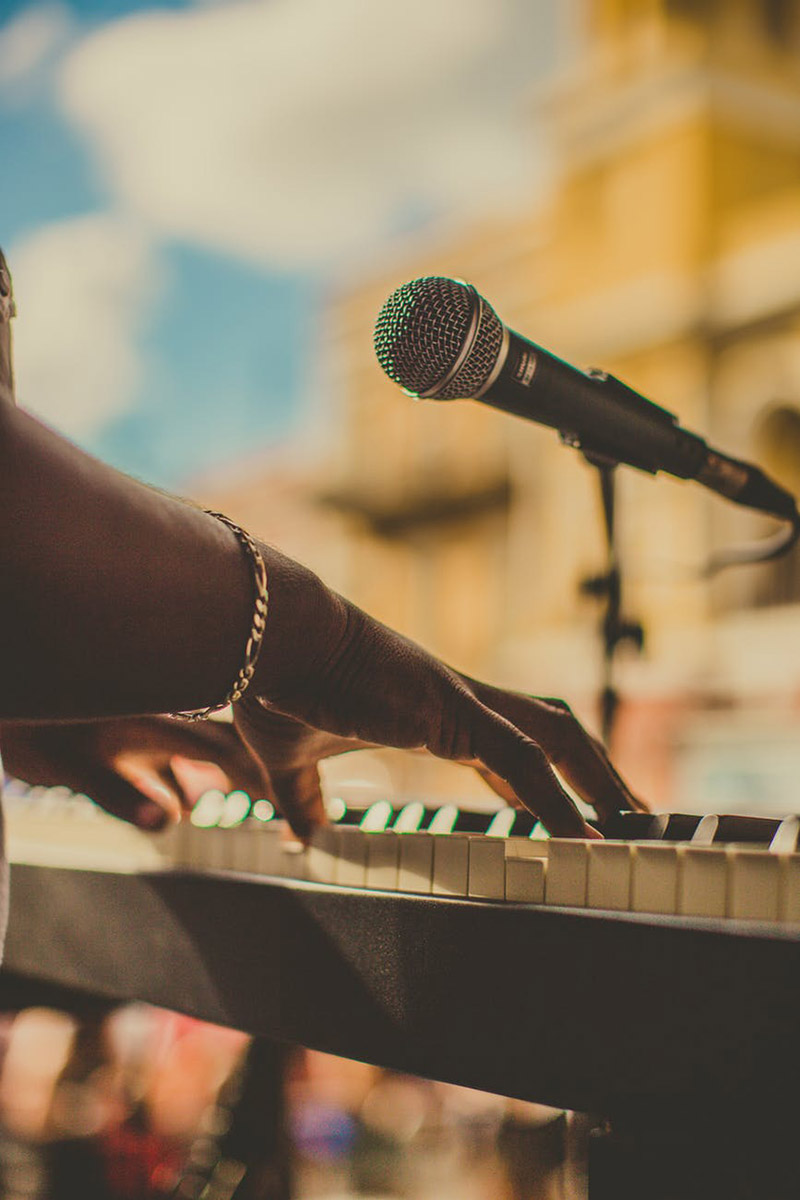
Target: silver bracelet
x=256 y=635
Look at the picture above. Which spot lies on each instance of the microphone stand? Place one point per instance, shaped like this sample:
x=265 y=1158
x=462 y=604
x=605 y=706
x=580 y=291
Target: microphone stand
x=614 y=629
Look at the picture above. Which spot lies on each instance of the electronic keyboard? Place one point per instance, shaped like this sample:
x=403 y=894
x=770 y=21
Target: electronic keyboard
x=664 y=965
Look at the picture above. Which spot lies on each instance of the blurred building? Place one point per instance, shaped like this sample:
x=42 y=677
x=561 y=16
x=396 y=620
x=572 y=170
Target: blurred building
x=668 y=252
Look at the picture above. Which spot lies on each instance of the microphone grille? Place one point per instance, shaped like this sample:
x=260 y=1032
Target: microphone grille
x=424 y=327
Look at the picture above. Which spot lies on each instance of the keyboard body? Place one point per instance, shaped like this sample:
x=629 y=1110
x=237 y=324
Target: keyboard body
x=591 y=1009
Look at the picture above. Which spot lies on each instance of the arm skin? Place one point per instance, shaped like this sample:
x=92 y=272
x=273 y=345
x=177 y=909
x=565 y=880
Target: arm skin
x=116 y=600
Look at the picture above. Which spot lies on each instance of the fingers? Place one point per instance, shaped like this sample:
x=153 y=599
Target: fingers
x=210 y=741
x=286 y=748
x=518 y=760
x=298 y=796
x=579 y=758
x=636 y=802
x=144 y=799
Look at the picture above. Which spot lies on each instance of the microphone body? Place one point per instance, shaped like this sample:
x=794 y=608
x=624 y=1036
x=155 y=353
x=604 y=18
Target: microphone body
x=599 y=414
x=439 y=339
x=592 y=411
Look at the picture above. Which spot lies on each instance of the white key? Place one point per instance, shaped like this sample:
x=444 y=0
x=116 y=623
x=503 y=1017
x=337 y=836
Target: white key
x=383 y=853
x=237 y=841
x=234 y=810
x=609 y=875
x=170 y=842
x=703 y=886
x=322 y=854
x=566 y=876
x=789 y=909
x=351 y=866
x=655 y=877
x=525 y=847
x=409 y=818
x=754 y=891
x=293 y=860
x=443 y=819
x=487 y=868
x=415 y=872
x=705 y=830
x=785 y=838
x=196 y=849
x=502 y=823
x=266 y=848
x=525 y=879
x=450 y=864
x=377 y=817
x=225 y=845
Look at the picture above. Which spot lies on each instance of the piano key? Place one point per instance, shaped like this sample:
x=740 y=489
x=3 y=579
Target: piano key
x=234 y=810
x=472 y=820
x=487 y=868
x=786 y=836
x=377 y=817
x=608 y=883
x=208 y=809
x=681 y=826
x=655 y=877
x=789 y=907
x=754 y=884
x=443 y=820
x=265 y=848
x=237 y=843
x=351 y=859
x=502 y=823
x=705 y=831
x=450 y=864
x=525 y=879
x=322 y=854
x=293 y=859
x=410 y=818
x=636 y=826
x=167 y=842
x=174 y=841
x=735 y=827
x=263 y=811
x=383 y=856
x=526 y=847
x=703 y=884
x=526 y=824
x=415 y=870
x=565 y=880
x=200 y=846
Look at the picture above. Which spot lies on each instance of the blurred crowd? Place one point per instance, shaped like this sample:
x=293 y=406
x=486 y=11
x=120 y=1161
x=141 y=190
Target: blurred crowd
x=142 y=1104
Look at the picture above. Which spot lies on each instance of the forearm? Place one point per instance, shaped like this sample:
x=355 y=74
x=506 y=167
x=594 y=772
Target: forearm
x=113 y=597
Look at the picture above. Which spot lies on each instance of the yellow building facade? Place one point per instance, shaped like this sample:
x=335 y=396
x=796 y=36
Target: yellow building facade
x=668 y=252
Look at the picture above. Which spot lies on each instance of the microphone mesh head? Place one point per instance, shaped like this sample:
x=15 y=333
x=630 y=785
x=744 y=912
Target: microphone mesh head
x=423 y=328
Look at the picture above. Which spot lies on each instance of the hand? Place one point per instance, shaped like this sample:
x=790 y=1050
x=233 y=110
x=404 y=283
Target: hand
x=137 y=768
x=331 y=679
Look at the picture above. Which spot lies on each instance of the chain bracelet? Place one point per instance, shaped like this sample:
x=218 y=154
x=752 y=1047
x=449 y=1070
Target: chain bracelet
x=256 y=635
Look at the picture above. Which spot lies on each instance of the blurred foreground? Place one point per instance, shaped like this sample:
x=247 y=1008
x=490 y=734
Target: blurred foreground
x=140 y=1104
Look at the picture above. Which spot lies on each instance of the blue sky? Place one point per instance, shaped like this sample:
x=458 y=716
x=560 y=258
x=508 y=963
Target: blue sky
x=224 y=343
x=183 y=181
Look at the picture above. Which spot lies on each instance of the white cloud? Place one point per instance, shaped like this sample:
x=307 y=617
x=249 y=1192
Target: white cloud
x=301 y=131
x=81 y=287
x=29 y=40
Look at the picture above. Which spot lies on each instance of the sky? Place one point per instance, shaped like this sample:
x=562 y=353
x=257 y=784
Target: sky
x=184 y=181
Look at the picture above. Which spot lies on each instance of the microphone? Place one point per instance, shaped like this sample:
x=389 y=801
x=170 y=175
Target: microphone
x=440 y=340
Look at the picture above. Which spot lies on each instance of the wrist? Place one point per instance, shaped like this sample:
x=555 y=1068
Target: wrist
x=305 y=626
